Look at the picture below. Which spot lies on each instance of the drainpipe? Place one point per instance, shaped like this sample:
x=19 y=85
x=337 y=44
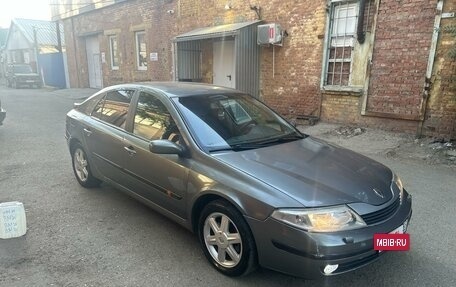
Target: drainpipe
x=430 y=66
x=359 y=30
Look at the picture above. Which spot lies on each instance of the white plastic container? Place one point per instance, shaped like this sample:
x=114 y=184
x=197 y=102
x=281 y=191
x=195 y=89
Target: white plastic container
x=12 y=220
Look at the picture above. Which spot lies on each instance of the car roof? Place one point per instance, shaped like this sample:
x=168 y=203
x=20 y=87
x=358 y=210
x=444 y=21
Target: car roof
x=178 y=89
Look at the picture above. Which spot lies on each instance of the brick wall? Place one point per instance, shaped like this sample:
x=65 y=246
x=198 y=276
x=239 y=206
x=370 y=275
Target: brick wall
x=291 y=82
x=292 y=88
x=341 y=109
x=440 y=120
x=124 y=18
x=401 y=49
x=400 y=53
x=294 y=84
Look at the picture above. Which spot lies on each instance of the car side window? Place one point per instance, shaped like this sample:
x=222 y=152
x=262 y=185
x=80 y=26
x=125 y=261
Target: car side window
x=153 y=120
x=113 y=107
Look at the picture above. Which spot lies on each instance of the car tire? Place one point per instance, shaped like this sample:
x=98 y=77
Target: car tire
x=226 y=239
x=81 y=168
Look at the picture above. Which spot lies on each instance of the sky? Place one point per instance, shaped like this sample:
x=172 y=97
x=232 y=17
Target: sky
x=28 y=9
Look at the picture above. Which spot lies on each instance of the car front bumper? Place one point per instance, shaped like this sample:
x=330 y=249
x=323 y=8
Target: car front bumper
x=304 y=254
x=24 y=82
x=2 y=115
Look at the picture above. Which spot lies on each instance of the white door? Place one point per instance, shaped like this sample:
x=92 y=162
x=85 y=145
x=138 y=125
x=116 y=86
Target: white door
x=93 y=62
x=223 y=68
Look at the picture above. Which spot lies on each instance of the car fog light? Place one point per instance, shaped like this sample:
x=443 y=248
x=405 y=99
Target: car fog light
x=330 y=268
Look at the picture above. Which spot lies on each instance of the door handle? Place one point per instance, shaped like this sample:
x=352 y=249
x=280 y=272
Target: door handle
x=130 y=150
x=87 y=131
x=229 y=77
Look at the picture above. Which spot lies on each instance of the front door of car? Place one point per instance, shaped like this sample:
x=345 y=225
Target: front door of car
x=159 y=178
x=104 y=133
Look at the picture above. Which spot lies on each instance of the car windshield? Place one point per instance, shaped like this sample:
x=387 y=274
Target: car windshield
x=22 y=69
x=234 y=122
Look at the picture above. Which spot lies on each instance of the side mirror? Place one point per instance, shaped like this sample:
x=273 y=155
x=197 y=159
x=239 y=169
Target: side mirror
x=165 y=147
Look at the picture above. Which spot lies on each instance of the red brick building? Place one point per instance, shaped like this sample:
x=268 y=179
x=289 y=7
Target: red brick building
x=366 y=62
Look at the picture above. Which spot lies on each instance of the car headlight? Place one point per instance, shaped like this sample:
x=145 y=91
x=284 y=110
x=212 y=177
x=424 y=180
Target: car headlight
x=327 y=219
x=397 y=181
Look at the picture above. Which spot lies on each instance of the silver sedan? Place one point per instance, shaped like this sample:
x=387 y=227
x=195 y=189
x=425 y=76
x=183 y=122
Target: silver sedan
x=255 y=190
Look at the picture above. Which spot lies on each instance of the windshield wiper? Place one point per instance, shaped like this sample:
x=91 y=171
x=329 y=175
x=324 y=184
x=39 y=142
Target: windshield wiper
x=238 y=147
x=220 y=149
x=262 y=143
x=282 y=139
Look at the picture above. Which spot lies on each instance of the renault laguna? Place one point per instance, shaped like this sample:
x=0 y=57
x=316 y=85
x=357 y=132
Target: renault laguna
x=255 y=190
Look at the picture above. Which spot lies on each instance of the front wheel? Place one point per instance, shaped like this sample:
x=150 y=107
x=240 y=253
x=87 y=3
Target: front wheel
x=82 y=169
x=226 y=239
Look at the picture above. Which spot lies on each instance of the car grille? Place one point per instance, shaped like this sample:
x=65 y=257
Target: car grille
x=382 y=214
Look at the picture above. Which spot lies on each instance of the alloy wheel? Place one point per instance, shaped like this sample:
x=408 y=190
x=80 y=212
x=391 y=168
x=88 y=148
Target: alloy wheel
x=80 y=165
x=223 y=240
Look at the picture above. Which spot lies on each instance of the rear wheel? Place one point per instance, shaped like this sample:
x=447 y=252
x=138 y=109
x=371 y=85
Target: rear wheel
x=82 y=169
x=226 y=239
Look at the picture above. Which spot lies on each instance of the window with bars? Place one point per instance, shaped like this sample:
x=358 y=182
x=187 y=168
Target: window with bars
x=341 y=40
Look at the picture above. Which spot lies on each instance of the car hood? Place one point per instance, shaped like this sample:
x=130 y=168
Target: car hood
x=315 y=173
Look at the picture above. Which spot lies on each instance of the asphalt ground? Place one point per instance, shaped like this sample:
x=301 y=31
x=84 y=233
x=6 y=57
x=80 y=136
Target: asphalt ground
x=102 y=237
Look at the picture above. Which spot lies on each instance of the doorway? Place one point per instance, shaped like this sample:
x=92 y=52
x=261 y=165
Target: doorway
x=223 y=64
x=94 y=62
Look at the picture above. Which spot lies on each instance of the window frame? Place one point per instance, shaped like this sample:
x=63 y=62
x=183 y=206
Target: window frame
x=331 y=41
x=170 y=113
x=138 y=50
x=101 y=116
x=114 y=54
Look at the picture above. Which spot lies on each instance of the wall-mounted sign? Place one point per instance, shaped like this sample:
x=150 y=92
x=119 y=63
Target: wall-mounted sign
x=103 y=57
x=447 y=15
x=153 y=56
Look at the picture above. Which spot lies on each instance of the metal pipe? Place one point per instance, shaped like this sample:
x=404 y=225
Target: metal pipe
x=359 y=29
x=273 y=61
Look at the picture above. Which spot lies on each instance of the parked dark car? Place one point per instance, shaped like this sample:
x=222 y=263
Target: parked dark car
x=2 y=113
x=222 y=164
x=18 y=75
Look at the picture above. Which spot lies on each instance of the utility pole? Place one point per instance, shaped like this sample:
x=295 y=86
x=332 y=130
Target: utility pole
x=36 y=51
x=59 y=39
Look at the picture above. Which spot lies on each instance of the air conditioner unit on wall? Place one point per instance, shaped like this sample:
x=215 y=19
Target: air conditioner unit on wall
x=269 y=34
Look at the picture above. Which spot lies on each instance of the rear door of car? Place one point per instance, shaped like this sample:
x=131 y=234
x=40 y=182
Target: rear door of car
x=104 y=132
x=159 y=178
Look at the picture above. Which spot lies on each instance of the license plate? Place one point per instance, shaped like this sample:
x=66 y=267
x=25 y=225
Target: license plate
x=401 y=229
x=30 y=81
